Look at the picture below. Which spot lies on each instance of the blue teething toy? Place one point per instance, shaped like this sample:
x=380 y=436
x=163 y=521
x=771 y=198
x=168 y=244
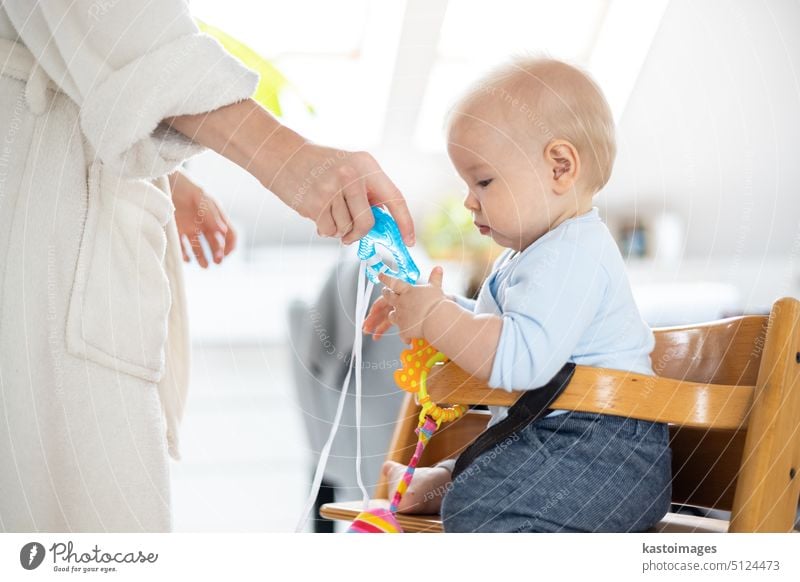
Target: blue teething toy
x=386 y=234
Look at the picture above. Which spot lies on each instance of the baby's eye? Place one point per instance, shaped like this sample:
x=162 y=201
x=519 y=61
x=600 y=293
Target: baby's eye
x=485 y=183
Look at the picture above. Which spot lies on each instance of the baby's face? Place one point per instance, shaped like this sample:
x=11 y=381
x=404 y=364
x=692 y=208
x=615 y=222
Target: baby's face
x=507 y=181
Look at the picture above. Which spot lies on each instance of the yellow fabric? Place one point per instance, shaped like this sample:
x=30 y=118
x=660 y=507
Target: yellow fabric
x=271 y=81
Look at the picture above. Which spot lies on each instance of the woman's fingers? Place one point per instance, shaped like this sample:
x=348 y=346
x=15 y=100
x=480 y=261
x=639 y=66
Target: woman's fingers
x=326 y=226
x=230 y=239
x=216 y=242
x=341 y=216
x=381 y=190
x=183 y=244
x=197 y=249
x=226 y=229
x=230 y=234
x=355 y=196
x=214 y=230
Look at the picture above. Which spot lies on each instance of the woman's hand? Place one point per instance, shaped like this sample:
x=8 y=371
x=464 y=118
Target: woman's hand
x=198 y=216
x=336 y=188
x=408 y=305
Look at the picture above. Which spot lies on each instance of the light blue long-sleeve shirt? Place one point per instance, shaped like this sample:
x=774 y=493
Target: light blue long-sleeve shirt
x=565 y=298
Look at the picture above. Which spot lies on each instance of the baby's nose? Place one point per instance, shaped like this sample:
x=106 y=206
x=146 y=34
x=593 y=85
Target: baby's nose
x=471 y=201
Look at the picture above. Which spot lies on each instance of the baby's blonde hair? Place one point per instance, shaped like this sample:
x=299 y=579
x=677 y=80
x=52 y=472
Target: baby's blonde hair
x=558 y=101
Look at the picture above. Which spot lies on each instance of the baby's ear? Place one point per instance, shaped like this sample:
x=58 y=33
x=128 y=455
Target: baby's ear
x=564 y=163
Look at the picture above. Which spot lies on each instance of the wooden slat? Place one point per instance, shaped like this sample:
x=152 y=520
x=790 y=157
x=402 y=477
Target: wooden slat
x=727 y=351
x=617 y=393
x=769 y=484
x=671 y=523
x=348 y=510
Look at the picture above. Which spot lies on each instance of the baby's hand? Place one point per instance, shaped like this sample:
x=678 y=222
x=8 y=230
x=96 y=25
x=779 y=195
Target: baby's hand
x=410 y=305
x=427 y=488
x=377 y=321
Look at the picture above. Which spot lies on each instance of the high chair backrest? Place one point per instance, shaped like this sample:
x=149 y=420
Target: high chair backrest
x=705 y=462
x=730 y=390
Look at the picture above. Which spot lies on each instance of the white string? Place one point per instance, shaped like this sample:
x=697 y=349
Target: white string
x=362 y=302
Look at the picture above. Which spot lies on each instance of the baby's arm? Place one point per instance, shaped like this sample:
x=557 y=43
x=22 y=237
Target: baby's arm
x=468 y=304
x=377 y=321
x=469 y=339
x=548 y=304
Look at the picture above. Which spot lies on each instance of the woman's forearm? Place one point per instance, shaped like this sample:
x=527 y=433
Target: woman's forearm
x=246 y=134
x=468 y=339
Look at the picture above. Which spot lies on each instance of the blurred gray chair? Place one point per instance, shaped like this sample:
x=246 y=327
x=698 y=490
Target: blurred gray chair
x=321 y=337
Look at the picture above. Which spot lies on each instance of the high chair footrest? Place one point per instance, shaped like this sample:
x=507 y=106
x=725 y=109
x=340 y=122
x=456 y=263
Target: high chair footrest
x=348 y=510
x=671 y=523
x=681 y=523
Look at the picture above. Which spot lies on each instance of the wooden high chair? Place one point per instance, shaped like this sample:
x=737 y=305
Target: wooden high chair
x=729 y=389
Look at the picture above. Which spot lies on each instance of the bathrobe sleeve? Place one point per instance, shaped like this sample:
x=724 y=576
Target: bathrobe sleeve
x=128 y=65
x=551 y=300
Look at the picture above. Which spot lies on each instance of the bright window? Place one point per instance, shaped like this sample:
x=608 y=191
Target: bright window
x=339 y=56
x=476 y=35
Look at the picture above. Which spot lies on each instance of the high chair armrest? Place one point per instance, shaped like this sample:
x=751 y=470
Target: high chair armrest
x=615 y=392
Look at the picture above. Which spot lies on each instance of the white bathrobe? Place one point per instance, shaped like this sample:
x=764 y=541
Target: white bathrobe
x=93 y=337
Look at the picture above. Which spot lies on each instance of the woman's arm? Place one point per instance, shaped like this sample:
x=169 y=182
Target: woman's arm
x=129 y=66
x=334 y=188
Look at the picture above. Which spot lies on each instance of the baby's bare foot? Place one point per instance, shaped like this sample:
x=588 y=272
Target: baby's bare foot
x=424 y=494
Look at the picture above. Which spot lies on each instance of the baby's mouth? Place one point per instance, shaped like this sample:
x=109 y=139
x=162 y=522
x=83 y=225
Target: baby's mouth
x=482 y=228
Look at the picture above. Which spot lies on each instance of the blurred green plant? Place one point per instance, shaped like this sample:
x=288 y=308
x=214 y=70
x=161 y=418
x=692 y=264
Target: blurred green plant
x=271 y=81
x=450 y=233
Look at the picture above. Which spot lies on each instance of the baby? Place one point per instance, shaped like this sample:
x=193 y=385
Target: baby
x=534 y=142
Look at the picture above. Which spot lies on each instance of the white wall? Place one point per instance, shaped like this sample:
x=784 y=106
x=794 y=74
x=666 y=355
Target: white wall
x=712 y=128
x=711 y=132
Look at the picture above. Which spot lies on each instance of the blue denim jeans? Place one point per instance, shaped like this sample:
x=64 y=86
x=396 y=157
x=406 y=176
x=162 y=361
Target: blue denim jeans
x=575 y=472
